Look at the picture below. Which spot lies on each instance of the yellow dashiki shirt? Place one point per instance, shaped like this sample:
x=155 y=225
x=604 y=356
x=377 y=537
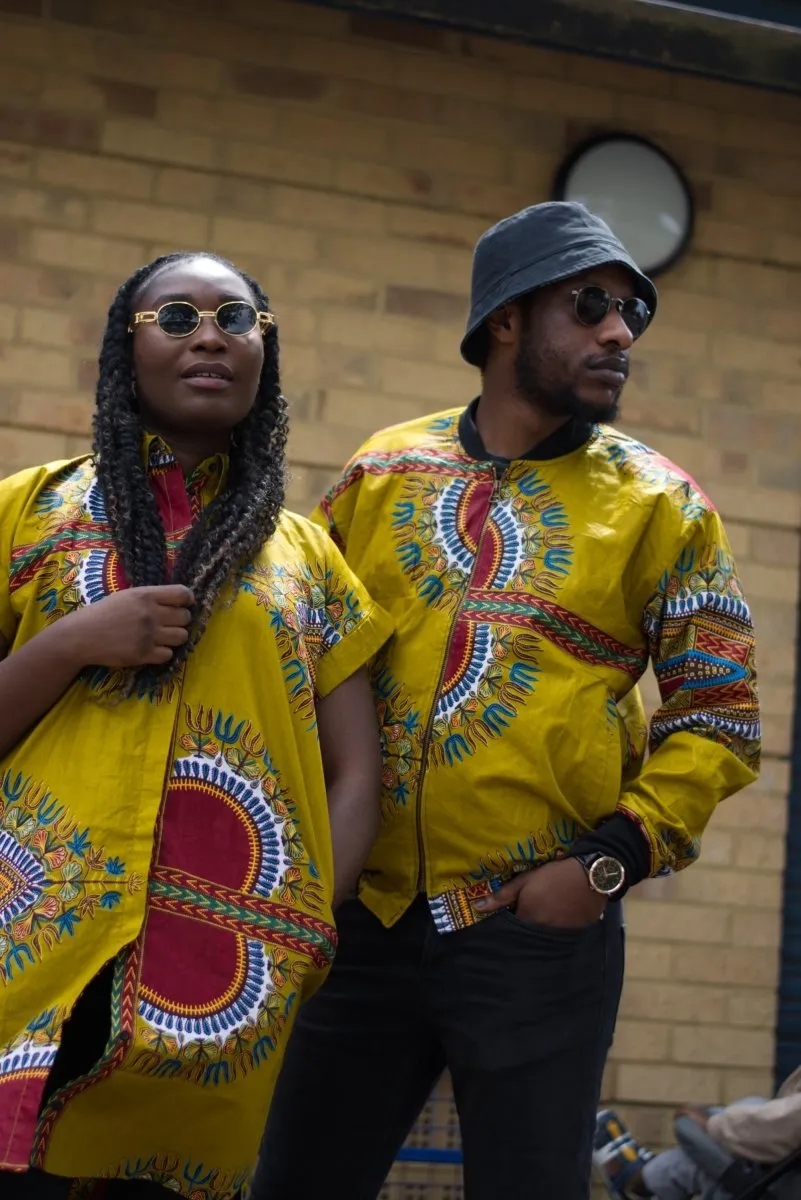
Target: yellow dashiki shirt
x=528 y=598
x=186 y=838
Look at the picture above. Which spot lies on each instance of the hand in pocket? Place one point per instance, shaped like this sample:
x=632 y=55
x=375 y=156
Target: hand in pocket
x=556 y=894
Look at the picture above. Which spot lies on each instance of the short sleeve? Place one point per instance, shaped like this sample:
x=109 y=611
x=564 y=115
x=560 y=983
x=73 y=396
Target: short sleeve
x=16 y=493
x=7 y=618
x=335 y=511
x=353 y=628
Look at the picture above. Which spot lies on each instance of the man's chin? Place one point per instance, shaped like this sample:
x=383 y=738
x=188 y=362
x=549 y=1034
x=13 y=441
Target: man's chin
x=601 y=407
x=600 y=412
x=595 y=410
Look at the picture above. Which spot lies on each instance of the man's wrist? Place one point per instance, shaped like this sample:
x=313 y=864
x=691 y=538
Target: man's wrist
x=622 y=839
x=606 y=875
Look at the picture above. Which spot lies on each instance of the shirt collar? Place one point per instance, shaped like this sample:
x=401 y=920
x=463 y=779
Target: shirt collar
x=564 y=440
x=206 y=480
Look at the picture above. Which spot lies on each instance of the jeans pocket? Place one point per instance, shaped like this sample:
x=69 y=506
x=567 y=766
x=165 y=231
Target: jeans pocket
x=557 y=935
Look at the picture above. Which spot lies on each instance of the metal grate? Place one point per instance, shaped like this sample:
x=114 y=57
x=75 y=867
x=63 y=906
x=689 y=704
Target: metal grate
x=429 y=1166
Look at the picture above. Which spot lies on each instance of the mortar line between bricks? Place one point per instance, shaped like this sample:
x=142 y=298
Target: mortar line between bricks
x=332 y=189
x=280 y=181
x=397 y=202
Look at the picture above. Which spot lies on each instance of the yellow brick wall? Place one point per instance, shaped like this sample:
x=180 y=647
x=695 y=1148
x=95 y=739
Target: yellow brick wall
x=350 y=163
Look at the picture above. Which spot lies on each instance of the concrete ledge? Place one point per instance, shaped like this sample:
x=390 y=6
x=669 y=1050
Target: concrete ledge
x=730 y=46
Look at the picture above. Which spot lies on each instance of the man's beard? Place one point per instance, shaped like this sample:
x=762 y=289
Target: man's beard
x=558 y=400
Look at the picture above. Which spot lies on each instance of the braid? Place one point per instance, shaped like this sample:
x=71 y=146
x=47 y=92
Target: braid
x=231 y=530
x=130 y=504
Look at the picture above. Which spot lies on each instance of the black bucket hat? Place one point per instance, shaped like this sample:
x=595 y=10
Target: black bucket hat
x=541 y=245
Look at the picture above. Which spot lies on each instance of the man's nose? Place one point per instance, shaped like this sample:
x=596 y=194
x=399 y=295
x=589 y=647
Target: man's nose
x=614 y=332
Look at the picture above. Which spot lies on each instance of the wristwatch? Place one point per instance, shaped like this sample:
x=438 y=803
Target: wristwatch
x=605 y=874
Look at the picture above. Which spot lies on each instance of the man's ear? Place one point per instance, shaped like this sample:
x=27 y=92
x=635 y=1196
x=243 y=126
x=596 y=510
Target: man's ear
x=502 y=324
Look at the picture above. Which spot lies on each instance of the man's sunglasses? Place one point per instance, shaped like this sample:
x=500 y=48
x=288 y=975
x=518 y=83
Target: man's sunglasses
x=179 y=318
x=592 y=305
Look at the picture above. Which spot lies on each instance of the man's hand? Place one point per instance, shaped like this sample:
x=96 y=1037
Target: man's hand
x=556 y=894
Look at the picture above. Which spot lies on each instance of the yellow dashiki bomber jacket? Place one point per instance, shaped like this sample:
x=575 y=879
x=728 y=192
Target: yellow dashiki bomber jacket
x=528 y=597
x=183 y=839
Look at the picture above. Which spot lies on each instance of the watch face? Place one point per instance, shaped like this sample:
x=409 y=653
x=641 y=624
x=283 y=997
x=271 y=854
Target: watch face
x=607 y=875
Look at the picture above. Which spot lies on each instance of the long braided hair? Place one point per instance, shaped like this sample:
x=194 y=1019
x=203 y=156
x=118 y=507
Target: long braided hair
x=229 y=531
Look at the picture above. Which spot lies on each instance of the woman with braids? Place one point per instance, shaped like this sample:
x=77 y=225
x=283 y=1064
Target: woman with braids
x=189 y=761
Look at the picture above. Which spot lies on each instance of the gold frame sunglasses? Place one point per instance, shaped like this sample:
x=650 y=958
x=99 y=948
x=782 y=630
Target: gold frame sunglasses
x=262 y=320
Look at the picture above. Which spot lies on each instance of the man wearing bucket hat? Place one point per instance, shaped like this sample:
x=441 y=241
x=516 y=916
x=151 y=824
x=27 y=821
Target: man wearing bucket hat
x=535 y=561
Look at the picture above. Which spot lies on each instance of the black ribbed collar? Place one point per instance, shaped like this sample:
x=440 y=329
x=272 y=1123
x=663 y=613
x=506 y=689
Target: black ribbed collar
x=564 y=440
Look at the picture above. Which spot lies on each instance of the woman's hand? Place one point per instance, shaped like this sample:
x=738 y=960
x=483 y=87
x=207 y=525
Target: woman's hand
x=134 y=628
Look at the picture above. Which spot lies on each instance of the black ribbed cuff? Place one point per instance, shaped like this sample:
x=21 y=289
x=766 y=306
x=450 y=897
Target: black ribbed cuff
x=621 y=839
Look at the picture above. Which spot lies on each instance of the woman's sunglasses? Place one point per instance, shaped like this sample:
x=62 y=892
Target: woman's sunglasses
x=592 y=305
x=179 y=318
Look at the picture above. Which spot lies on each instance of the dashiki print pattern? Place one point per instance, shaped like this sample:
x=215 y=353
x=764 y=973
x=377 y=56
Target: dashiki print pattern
x=182 y=836
x=528 y=603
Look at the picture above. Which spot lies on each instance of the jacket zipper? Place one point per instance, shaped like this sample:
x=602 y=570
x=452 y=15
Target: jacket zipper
x=498 y=477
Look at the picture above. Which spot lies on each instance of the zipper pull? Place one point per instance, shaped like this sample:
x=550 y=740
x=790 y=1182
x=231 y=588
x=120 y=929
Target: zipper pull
x=497 y=485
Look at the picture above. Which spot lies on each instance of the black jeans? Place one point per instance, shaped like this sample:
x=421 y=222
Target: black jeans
x=521 y=1015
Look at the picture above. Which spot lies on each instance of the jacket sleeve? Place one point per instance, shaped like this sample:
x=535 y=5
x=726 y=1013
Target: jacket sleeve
x=704 y=739
x=765 y=1133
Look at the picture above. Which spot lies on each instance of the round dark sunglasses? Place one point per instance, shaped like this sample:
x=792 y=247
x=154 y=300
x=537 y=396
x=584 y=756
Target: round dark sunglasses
x=179 y=318
x=592 y=305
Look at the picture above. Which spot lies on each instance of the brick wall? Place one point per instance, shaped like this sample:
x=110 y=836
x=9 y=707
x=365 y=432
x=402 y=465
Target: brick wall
x=350 y=163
